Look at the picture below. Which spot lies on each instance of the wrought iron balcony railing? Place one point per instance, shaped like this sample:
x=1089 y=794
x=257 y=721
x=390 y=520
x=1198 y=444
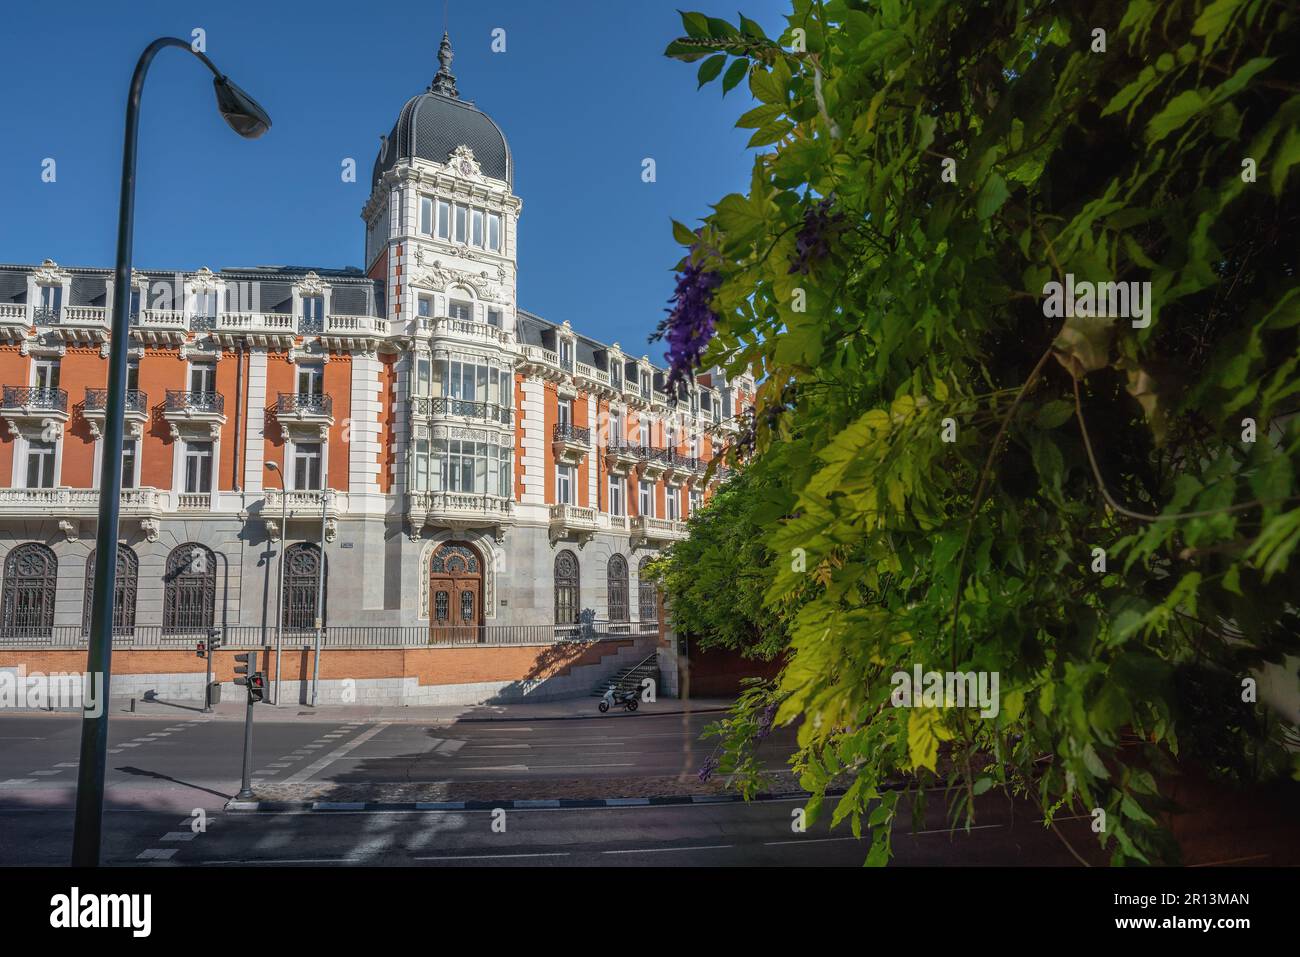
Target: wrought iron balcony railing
x=297 y=403
x=179 y=400
x=97 y=400
x=572 y=433
x=26 y=397
x=311 y=325
x=46 y=316
x=471 y=408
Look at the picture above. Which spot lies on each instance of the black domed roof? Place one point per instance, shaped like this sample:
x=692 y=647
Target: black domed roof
x=435 y=122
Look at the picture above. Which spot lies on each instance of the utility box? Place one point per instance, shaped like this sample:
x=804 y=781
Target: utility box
x=214 y=693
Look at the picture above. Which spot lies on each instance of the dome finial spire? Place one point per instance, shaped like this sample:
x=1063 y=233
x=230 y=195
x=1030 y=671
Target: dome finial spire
x=444 y=81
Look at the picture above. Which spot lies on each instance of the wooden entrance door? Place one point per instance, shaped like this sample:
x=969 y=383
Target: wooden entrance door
x=456 y=595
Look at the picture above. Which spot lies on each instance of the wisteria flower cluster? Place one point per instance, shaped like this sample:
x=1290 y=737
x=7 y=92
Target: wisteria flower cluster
x=690 y=323
x=813 y=241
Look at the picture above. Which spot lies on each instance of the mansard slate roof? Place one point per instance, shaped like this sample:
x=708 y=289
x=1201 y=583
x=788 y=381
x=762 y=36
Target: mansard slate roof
x=352 y=292
x=435 y=122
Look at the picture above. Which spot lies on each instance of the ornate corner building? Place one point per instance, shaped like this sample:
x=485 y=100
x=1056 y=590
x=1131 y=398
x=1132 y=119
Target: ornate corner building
x=465 y=463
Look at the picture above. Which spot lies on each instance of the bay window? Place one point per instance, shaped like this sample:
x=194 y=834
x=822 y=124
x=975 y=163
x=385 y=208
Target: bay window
x=462 y=465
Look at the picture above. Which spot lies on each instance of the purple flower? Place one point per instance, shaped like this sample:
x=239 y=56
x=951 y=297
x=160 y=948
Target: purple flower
x=690 y=322
x=710 y=765
x=813 y=241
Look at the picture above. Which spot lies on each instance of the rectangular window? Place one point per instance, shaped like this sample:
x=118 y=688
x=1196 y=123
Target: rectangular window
x=198 y=467
x=565 y=484
x=421 y=465
x=643 y=432
x=307 y=466
x=133 y=375
x=47 y=373
x=646 y=499
x=697 y=499
x=52 y=298
x=462 y=216
x=616 y=492
x=673 y=501
x=616 y=374
x=203 y=377
x=566 y=355
x=476 y=228
x=695 y=447
x=424 y=308
x=135 y=302
x=494 y=232
x=615 y=429
x=494 y=317
x=422 y=383
x=461 y=310
x=311 y=380
x=128 y=463
x=40 y=464
x=426 y=215
x=444 y=219
x=313 y=308
x=564 y=412
x=205 y=304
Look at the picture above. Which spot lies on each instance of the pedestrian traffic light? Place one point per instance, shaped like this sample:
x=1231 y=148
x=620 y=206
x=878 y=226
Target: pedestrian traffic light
x=257 y=686
x=244 y=665
x=201 y=650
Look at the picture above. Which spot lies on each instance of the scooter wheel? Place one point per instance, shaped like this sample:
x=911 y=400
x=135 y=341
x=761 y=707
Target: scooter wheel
x=603 y=706
x=632 y=705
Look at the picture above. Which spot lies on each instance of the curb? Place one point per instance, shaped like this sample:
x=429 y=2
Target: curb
x=326 y=807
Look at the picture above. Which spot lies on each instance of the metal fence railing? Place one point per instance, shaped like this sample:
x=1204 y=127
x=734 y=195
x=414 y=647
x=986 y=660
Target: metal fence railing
x=334 y=636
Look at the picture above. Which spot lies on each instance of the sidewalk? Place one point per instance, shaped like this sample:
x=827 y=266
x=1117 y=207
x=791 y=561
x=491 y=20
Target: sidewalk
x=565 y=709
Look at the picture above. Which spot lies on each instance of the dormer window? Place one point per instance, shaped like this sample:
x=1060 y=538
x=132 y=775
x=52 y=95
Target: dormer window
x=645 y=383
x=616 y=374
x=312 y=318
x=49 y=305
x=566 y=355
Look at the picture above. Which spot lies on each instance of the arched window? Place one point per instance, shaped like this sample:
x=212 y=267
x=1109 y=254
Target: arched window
x=302 y=579
x=189 y=590
x=616 y=577
x=566 y=588
x=647 y=592
x=31 y=571
x=126 y=580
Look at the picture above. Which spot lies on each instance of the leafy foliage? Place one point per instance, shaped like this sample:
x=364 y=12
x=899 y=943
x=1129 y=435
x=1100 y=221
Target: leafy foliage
x=917 y=316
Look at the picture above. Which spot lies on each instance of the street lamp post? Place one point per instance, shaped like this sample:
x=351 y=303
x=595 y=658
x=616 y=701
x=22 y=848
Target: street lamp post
x=249 y=120
x=279 y=588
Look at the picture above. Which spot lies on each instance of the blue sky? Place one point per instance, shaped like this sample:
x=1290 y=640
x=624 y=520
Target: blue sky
x=582 y=93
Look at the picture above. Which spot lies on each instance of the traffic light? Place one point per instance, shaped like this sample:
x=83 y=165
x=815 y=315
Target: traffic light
x=201 y=650
x=214 y=638
x=257 y=686
x=245 y=665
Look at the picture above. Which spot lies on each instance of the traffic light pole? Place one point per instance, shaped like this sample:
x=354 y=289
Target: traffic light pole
x=245 y=783
x=207 y=675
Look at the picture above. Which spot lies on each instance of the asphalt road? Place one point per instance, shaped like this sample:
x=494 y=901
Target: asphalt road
x=164 y=775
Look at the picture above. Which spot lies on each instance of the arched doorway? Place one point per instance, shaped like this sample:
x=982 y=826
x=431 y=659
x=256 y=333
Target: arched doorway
x=456 y=594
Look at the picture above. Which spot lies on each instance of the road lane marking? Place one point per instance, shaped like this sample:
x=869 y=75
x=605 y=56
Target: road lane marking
x=667 y=850
x=489 y=857
x=156 y=854
x=333 y=756
x=179 y=836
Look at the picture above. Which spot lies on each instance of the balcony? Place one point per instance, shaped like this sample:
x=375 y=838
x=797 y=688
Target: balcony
x=535 y=360
x=570 y=443
x=593 y=379
x=573 y=521
x=304 y=409
x=656 y=532
x=31 y=406
x=654 y=462
x=194 y=412
x=77 y=502
x=681 y=468
x=457 y=510
x=444 y=327
x=621 y=458
x=486 y=412
x=136 y=413
x=162 y=326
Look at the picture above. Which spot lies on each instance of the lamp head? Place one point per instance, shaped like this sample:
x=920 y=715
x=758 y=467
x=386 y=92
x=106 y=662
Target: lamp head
x=240 y=110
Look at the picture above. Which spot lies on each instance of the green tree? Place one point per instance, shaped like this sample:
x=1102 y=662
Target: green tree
x=719 y=575
x=1100 y=510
